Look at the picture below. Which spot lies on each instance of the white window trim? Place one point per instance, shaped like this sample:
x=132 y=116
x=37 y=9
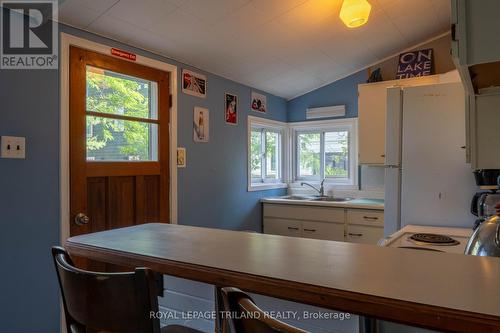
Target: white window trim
x=285 y=152
x=321 y=125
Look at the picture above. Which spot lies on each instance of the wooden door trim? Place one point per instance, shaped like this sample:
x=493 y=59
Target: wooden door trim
x=68 y=40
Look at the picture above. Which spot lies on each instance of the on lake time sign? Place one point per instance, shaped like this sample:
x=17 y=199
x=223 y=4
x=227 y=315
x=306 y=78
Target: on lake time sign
x=415 y=63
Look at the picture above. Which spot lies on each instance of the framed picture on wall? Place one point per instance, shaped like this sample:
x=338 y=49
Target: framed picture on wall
x=201 y=125
x=259 y=102
x=194 y=84
x=231 y=109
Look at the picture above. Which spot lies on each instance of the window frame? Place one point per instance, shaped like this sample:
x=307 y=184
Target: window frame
x=267 y=125
x=322 y=126
x=152 y=119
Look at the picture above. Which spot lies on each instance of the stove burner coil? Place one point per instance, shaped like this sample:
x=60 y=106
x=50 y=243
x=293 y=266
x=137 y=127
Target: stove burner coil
x=433 y=239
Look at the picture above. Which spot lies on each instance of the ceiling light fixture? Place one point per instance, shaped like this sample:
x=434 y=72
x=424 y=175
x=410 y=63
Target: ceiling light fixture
x=355 y=13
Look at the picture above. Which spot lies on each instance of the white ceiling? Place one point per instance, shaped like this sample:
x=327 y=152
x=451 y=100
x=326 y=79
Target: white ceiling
x=284 y=47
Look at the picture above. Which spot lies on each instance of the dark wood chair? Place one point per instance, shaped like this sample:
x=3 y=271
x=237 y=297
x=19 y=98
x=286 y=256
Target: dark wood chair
x=110 y=302
x=246 y=317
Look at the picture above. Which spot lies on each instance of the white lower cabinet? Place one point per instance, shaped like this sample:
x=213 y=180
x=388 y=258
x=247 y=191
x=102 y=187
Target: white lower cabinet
x=284 y=227
x=363 y=234
x=323 y=230
x=364 y=226
x=328 y=223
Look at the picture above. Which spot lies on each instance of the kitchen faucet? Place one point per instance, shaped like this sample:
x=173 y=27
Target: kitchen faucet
x=321 y=189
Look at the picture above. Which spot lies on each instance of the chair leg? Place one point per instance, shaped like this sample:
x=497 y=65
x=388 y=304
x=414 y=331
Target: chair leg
x=220 y=323
x=368 y=325
x=160 y=284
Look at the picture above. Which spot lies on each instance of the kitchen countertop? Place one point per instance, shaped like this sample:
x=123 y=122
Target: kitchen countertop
x=360 y=203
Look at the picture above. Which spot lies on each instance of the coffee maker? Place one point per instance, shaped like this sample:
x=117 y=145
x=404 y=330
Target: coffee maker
x=487 y=202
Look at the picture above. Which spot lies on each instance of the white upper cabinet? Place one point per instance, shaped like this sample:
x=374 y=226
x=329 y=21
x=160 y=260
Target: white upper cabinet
x=475 y=31
x=372 y=111
x=487 y=141
x=476 y=53
x=372 y=106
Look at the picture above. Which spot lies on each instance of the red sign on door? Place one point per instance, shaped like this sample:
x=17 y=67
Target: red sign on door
x=123 y=54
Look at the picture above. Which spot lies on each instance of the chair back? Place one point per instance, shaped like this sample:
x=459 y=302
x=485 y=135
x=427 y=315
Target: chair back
x=112 y=302
x=246 y=317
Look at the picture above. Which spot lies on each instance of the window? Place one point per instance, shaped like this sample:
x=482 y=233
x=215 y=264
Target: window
x=265 y=154
x=326 y=149
x=121 y=117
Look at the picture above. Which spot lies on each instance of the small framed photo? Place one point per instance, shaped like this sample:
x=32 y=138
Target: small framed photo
x=194 y=83
x=231 y=109
x=181 y=157
x=201 y=125
x=259 y=102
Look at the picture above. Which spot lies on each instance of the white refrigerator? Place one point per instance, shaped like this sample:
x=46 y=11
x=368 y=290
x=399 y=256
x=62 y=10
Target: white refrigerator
x=427 y=180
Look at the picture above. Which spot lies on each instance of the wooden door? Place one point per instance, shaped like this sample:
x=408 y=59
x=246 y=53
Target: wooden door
x=119 y=143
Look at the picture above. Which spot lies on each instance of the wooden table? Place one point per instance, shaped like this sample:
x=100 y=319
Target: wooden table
x=441 y=291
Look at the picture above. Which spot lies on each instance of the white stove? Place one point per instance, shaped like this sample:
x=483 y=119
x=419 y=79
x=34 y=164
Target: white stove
x=438 y=239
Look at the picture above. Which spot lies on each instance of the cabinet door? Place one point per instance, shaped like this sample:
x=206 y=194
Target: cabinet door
x=480 y=32
x=363 y=234
x=487 y=114
x=372 y=106
x=323 y=230
x=283 y=227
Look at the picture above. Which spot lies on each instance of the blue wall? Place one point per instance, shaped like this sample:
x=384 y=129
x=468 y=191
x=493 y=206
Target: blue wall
x=342 y=92
x=213 y=186
x=29 y=202
x=211 y=190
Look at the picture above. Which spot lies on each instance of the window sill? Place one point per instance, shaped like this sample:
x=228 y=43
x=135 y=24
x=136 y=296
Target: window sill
x=266 y=186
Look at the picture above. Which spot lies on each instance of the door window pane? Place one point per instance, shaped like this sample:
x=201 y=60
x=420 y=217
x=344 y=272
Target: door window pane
x=309 y=154
x=337 y=154
x=121 y=140
x=272 y=155
x=256 y=154
x=114 y=93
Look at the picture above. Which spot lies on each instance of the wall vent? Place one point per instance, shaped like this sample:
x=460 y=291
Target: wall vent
x=325 y=112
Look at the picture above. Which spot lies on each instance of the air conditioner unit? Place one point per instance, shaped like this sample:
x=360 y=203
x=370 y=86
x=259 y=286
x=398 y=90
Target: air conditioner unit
x=325 y=112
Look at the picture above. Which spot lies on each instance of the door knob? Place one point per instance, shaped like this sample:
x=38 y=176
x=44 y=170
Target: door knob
x=81 y=219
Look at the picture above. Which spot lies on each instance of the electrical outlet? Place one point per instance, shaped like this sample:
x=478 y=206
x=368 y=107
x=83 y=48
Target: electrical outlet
x=13 y=147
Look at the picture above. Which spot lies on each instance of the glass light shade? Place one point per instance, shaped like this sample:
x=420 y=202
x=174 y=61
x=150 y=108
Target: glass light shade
x=355 y=13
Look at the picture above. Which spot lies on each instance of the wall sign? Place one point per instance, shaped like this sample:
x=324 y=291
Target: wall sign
x=416 y=63
x=123 y=54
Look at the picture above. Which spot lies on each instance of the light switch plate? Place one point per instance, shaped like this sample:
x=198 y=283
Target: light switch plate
x=13 y=147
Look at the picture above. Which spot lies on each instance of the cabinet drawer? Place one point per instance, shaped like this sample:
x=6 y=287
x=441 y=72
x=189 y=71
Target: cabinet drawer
x=365 y=217
x=323 y=230
x=363 y=234
x=308 y=213
x=282 y=227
